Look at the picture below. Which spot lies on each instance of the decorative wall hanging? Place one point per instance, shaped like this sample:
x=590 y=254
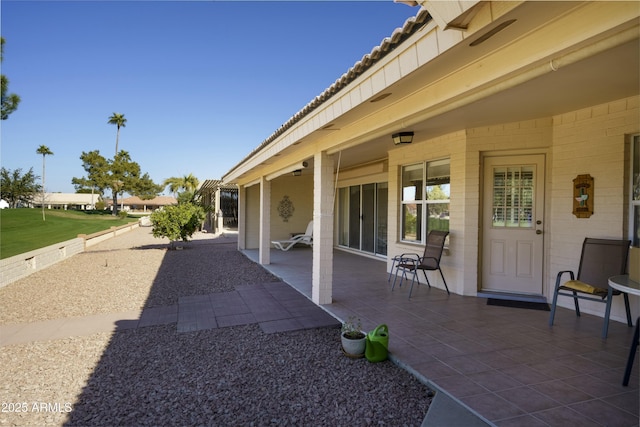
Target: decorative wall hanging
x=583 y=196
x=285 y=208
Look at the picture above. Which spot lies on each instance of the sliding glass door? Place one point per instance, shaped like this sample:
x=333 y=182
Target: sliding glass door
x=362 y=217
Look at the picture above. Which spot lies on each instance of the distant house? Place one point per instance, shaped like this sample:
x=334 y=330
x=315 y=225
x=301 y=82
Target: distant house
x=136 y=204
x=79 y=201
x=3 y=204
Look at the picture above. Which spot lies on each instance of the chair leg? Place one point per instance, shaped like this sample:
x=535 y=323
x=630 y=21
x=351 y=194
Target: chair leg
x=576 y=303
x=426 y=278
x=632 y=354
x=393 y=264
x=607 y=312
x=413 y=279
x=395 y=278
x=402 y=277
x=444 y=281
x=552 y=315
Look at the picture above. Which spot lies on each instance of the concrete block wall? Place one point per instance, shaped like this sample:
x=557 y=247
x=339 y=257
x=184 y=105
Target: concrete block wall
x=19 y=266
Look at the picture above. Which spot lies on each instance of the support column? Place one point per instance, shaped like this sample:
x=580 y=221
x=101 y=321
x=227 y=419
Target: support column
x=242 y=225
x=323 y=189
x=264 y=256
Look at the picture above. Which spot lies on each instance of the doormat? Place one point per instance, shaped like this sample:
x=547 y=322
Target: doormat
x=518 y=304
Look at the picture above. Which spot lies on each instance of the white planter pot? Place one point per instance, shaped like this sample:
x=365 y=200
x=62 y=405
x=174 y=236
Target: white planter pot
x=354 y=348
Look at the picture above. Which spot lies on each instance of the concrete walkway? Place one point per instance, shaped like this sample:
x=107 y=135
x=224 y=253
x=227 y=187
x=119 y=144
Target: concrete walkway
x=274 y=306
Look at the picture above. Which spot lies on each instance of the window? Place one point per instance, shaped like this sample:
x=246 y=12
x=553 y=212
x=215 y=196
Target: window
x=425 y=199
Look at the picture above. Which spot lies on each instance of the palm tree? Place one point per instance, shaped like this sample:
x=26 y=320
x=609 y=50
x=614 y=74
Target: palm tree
x=190 y=183
x=118 y=120
x=45 y=151
x=174 y=184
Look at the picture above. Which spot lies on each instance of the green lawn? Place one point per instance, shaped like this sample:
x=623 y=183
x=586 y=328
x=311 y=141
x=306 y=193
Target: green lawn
x=23 y=230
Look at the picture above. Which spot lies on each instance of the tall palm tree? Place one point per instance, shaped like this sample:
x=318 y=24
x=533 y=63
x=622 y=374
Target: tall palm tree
x=45 y=151
x=118 y=120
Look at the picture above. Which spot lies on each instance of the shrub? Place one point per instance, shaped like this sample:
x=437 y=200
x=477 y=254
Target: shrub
x=177 y=222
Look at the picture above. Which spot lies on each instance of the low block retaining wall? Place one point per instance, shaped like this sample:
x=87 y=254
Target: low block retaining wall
x=19 y=266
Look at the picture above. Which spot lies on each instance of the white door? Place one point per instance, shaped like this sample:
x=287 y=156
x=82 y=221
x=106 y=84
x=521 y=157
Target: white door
x=512 y=224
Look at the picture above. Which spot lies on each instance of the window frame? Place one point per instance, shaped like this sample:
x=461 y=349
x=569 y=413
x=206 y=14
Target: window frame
x=423 y=205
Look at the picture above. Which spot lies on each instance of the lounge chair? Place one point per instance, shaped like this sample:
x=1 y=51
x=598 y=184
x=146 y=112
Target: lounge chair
x=306 y=238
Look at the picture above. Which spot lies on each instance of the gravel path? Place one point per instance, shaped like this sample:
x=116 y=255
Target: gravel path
x=156 y=376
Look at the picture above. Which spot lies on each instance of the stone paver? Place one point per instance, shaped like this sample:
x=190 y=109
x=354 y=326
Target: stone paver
x=275 y=306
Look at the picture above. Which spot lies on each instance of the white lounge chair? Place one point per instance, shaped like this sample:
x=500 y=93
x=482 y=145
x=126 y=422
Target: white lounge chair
x=306 y=238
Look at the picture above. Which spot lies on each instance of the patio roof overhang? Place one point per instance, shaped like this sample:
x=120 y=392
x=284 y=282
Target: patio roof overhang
x=546 y=59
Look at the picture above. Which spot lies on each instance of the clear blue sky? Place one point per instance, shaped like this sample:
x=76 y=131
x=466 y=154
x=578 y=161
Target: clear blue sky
x=200 y=83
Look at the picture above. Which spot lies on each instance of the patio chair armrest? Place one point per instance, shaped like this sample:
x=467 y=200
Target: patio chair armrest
x=407 y=255
x=562 y=273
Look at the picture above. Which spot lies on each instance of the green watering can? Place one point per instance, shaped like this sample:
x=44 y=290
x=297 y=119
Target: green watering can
x=377 y=348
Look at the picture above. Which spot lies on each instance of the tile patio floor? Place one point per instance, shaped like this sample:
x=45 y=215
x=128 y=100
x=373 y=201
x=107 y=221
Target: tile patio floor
x=505 y=364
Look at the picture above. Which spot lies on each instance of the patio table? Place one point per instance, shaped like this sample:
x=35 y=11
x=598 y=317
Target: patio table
x=623 y=283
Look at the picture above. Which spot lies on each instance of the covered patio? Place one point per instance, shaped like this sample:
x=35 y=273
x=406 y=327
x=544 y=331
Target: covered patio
x=505 y=364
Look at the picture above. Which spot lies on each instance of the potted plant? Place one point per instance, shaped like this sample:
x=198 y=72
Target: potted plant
x=353 y=338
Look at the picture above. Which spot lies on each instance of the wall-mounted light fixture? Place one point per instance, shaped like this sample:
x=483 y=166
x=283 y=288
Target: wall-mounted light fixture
x=287 y=170
x=402 y=138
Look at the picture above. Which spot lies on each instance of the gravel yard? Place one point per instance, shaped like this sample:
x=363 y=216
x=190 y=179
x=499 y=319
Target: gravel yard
x=156 y=376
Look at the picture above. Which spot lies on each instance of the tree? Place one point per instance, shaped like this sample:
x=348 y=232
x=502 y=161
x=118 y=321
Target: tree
x=97 y=168
x=120 y=175
x=187 y=183
x=118 y=120
x=190 y=183
x=177 y=222
x=124 y=176
x=9 y=101
x=145 y=188
x=16 y=188
x=174 y=184
x=45 y=151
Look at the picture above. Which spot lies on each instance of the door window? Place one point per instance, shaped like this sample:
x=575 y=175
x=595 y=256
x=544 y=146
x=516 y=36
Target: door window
x=513 y=197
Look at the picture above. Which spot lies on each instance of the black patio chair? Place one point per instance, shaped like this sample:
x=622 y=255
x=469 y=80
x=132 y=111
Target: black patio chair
x=600 y=259
x=429 y=261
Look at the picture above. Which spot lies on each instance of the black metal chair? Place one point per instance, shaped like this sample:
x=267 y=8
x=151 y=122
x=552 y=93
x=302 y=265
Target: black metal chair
x=600 y=259
x=429 y=261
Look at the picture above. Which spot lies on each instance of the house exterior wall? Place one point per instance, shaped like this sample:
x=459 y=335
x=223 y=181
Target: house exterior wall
x=592 y=140
x=299 y=189
x=300 y=192
x=252 y=217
